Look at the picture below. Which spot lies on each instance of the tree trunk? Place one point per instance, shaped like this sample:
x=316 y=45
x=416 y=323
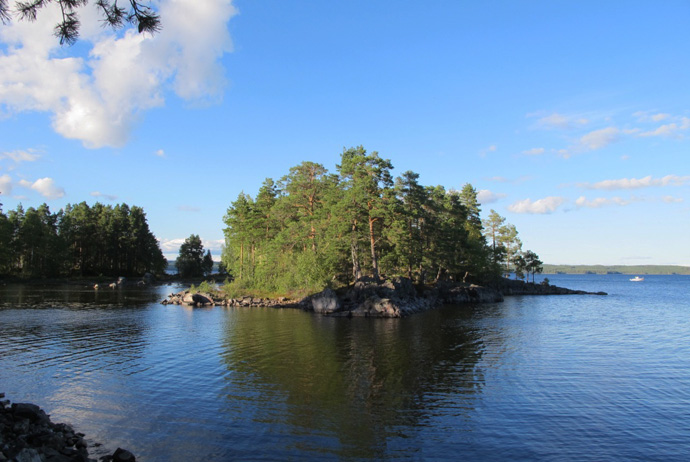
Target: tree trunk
x=374 y=260
x=356 y=269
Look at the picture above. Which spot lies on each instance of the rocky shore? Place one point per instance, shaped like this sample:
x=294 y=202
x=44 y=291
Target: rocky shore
x=28 y=435
x=388 y=298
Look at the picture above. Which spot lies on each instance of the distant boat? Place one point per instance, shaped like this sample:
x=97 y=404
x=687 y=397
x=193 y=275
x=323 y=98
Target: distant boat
x=637 y=279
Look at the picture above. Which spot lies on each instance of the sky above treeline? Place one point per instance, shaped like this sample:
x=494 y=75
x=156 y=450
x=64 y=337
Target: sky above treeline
x=571 y=118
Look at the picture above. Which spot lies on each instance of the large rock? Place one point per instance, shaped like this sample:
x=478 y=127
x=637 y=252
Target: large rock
x=326 y=302
x=197 y=299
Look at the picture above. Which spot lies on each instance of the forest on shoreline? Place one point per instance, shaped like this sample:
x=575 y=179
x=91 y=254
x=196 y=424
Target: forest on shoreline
x=78 y=241
x=616 y=269
x=309 y=230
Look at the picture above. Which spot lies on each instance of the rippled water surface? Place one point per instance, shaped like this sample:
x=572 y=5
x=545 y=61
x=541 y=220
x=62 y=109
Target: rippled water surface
x=533 y=378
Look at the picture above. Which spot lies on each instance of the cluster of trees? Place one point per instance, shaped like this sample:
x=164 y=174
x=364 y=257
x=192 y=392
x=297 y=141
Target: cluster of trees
x=505 y=249
x=192 y=261
x=79 y=240
x=312 y=227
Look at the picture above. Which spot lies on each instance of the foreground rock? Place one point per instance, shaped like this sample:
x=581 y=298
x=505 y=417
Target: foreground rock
x=28 y=435
x=188 y=298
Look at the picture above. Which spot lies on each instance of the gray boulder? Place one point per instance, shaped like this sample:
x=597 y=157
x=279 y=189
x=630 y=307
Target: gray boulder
x=326 y=302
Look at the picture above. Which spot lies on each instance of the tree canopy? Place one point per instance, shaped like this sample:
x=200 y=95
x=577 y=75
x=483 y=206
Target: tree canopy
x=313 y=228
x=192 y=262
x=139 y=14
x=79 y=240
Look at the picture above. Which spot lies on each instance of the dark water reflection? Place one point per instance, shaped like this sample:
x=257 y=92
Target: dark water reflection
x=358 y=383
x=550 y=378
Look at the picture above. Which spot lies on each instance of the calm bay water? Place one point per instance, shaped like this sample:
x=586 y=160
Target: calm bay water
x=533 y=378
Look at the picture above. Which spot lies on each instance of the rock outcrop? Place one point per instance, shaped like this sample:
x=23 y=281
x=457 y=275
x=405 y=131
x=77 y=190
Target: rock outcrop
x=188 y=298
x=28 y=435
x=388 y=298
x=515 y=287
x=394 y=298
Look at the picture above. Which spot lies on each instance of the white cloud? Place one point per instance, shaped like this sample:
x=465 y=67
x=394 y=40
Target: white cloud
x=45 y=187
x=560 y=121
x=541 y=206
x=28 y=155
x=160 y=153
x=484 y=196
x=554 y=120
x=636 y=183
x=5 y=185
x=534 y=152
x=173 y=245
x=646 y=116
x=598 y=139
x=670 y=130
x=109 y=197
x=98 y=98
x=672 y=199
x=582 y=201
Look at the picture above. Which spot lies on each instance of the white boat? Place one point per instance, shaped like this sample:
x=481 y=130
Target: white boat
x=637 y=279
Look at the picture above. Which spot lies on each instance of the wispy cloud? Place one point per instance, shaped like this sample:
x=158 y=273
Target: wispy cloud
x=598 y=139
x=672 y=199
x=20 y=155
x=173 y=245
x=671 y=130
x=556 y=120
x=540 y=206
x=109 y=197
x=637 y=183
x=160 y=153
x=534 y=152
x=98 y=99
x=46 y=187
x=484 y=196
x=647 y=116
x=582 y=201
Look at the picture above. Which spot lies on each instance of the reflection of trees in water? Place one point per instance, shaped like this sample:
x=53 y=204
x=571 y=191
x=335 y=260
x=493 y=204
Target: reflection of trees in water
x=358 y=381
x=75 y=296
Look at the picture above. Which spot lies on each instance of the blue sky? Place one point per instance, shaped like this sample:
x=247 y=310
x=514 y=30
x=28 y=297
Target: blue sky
x=572 y=119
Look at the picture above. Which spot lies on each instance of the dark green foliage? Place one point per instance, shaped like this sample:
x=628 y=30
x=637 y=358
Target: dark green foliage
x=312 y=229
x=79 y=240
x=191 y=261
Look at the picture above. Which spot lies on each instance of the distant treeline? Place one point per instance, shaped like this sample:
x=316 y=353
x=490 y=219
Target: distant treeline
x=313 y=228
x=79 y=240
x=616 y=269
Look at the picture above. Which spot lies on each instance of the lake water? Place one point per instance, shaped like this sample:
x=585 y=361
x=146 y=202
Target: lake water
x=534 y=378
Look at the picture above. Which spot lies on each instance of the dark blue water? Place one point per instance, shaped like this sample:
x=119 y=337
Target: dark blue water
x=533 y=378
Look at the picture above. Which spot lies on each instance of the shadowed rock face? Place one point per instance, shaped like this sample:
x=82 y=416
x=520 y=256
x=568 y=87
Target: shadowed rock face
x=28 y=435
x=398 y=297
x=395 y=298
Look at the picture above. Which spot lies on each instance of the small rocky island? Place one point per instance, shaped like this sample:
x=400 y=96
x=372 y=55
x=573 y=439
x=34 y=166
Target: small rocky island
x=388 y=298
